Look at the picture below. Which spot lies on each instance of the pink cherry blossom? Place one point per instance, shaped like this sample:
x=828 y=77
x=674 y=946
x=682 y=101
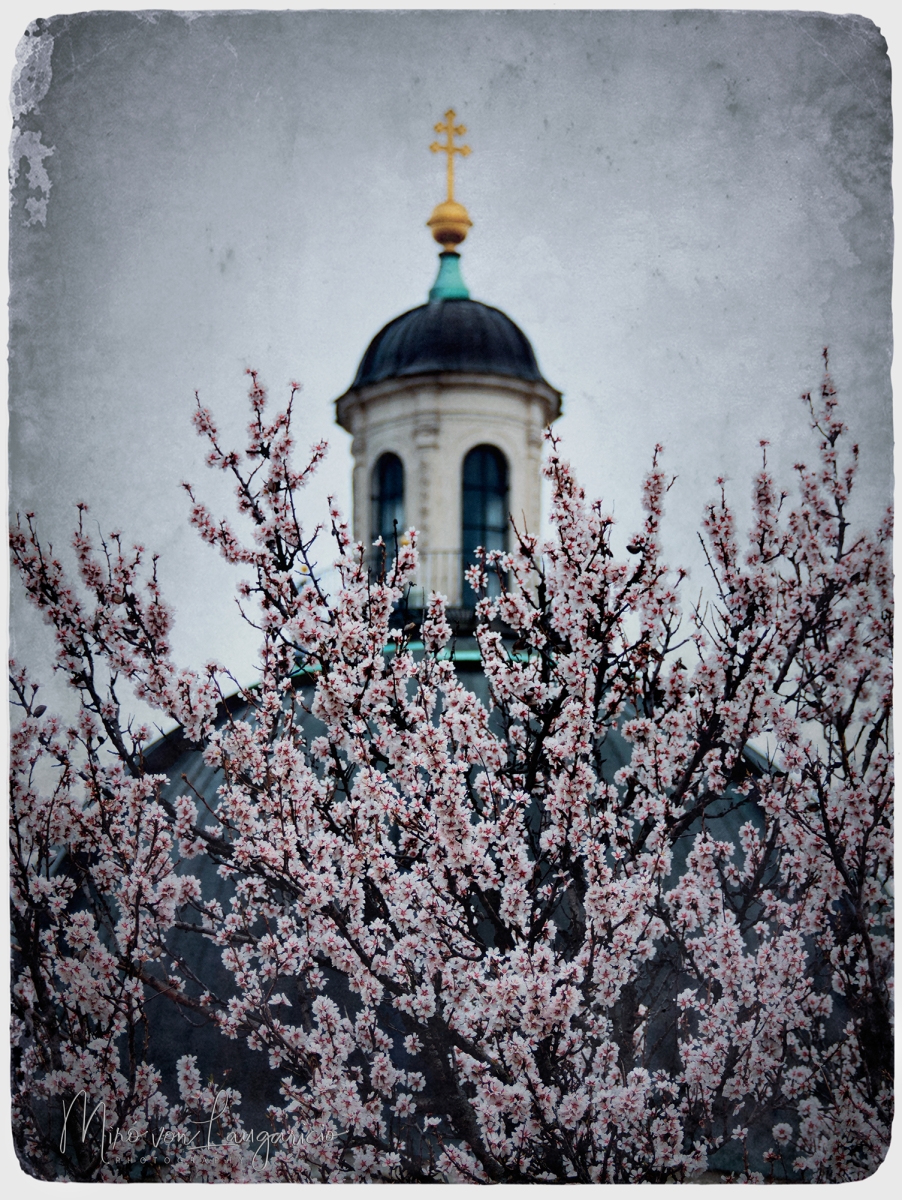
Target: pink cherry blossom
x=581 y=931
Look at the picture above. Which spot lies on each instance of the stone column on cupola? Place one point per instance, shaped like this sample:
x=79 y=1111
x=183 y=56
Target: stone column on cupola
x=446 y=413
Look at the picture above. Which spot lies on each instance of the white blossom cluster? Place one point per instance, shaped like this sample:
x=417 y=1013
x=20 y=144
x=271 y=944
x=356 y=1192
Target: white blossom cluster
x=464 y=946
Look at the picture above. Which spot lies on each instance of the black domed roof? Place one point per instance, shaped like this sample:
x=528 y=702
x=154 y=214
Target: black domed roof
x=449 y=335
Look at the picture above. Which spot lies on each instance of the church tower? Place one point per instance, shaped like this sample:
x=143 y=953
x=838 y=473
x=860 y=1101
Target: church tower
x=446 y=412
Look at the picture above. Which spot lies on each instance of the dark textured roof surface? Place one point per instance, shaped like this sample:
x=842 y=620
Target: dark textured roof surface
x=449 y=335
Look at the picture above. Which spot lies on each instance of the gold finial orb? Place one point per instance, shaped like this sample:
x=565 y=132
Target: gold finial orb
x=450 y=222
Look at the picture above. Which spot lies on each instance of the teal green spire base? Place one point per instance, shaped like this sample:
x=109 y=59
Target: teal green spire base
x=449 y=283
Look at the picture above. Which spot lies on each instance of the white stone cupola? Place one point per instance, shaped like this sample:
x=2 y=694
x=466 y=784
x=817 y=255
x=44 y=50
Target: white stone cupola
x=446 y=412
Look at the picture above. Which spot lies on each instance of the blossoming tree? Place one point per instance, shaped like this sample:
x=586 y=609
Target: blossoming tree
x=461 y=940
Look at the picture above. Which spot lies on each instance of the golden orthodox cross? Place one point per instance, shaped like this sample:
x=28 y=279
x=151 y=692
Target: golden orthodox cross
x=448 y=147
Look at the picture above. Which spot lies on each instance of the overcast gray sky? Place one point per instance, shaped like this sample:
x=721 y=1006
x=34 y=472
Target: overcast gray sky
x=679 y=209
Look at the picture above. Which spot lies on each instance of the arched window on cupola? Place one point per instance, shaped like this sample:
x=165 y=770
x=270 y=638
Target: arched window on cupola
x=387 y=501
x=485 y=511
